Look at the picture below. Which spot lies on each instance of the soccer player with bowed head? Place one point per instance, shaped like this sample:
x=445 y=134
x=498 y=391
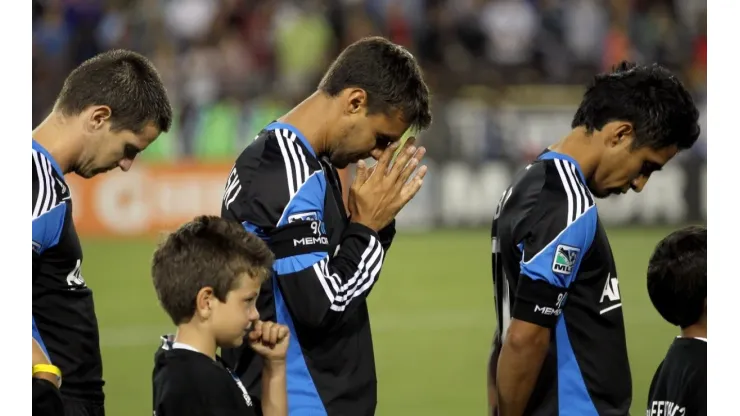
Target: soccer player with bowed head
x=677 y=285
x=207 y=276
x=284 y=187
x=110 y=108
x=560 y=348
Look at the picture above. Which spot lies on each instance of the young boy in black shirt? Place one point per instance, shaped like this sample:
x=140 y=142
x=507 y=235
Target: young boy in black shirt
x=677 y=284
x=207 y=276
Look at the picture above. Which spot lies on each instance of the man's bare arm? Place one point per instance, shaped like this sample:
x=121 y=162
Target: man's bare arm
x=524 y=349
x=491 y=374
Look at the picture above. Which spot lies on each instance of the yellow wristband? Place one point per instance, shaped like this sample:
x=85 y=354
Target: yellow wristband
x=47 y=368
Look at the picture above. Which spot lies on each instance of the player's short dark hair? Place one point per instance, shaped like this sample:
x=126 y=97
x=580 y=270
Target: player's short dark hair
x=125 y=81
x=661 y=110
x=677 y=276
x=388 y=73
x=207 y=252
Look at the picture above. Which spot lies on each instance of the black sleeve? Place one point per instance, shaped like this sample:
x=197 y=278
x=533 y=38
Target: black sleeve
x=559 y=231
x=46 y=398
x=386 y=236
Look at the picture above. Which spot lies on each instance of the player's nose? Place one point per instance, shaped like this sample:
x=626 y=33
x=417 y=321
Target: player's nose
x=125 y=164
x=638 y=184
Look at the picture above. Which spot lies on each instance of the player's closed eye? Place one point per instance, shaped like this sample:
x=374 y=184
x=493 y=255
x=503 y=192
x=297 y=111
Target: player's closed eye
x=382 y=141
x=130 y=151
x=648 y=168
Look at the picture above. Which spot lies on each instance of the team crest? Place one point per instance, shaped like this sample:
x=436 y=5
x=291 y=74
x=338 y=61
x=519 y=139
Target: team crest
x=565 y=259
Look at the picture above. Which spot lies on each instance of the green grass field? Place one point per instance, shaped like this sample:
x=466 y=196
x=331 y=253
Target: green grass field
x=431 y=311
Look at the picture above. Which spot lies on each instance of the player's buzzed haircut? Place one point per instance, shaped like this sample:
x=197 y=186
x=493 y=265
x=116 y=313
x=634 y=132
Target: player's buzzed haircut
x=388 y=73
x=125 y=81
x=677 y=276
x=207 y=252
x=657 y=104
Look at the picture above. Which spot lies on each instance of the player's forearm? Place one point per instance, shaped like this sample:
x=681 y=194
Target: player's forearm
x=518 y=369
x=491 y=376
x=39 y=357
x=274 y=389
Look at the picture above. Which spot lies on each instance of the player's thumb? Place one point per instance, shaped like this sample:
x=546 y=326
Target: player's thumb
x=361 y=173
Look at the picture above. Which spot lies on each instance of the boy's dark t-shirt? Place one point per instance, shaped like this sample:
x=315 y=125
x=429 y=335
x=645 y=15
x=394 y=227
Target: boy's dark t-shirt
x=188 y=383
x=679 y=386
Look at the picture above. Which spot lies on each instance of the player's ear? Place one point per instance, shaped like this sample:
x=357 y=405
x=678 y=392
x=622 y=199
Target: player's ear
x=618 y=133
x=98 y=116
x=204 y=302
x=356 y=100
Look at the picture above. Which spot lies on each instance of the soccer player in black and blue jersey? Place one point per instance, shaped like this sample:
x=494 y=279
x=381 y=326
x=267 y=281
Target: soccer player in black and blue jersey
x=285 y=188
x=560 y=345
x=110 y=108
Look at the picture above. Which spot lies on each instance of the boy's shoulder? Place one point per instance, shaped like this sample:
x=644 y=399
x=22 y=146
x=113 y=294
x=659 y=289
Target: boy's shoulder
x=183 y=371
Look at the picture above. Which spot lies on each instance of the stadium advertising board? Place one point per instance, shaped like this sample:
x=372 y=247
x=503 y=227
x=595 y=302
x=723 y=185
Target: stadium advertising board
x=473 y=149
x=150 y=199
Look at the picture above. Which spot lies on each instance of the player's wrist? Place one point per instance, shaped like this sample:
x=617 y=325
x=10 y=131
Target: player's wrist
x=48 y=372
x=362 y=227
x=275 y=364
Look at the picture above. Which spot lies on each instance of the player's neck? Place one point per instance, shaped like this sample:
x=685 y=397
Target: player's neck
x=698 y=330
x=309 y=117
x=55 y=135
x=198 y=338
x=579 y=146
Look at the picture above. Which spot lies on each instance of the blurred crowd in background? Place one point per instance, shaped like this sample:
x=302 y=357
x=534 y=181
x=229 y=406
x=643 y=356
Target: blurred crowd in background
x=505 y=74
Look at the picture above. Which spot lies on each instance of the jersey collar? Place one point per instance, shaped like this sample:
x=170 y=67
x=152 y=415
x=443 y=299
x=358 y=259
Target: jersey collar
x=278 y=125
x=550 y=154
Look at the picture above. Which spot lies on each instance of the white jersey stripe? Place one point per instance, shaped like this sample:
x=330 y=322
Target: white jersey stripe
x=288 y=165
x=568 y=190
x=47 y=197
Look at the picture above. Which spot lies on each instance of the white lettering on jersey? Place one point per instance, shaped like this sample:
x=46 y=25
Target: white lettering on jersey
x=610 y=294
x=665 y=408
x=74 y=278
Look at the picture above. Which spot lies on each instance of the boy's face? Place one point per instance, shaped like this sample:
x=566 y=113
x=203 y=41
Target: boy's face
x=232 y=319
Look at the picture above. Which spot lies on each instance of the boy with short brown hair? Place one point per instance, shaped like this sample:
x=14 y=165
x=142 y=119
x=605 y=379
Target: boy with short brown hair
x=207 y=276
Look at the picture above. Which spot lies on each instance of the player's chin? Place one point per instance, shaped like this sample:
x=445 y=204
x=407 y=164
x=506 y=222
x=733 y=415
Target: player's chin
x=340 y=163
x=234 y=342
x=601 y=193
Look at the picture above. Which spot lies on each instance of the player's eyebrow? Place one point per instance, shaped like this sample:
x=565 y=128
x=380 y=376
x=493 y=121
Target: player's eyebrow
x=130 y=151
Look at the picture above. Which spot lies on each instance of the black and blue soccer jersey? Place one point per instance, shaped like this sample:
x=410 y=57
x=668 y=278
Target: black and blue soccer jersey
x=325 y=268
x=553 y=266
x=63 y=309
x=679 y=386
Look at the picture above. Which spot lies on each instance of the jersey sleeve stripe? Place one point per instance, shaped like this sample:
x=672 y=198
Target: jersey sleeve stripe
x=297 y=168
x=573 y=189
x=289 y=169
x=47 y=197
x=568 y=190
x=340 y=295
x=363 y=279
x=291 y=135
x=585 y=192
x=296 y=165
